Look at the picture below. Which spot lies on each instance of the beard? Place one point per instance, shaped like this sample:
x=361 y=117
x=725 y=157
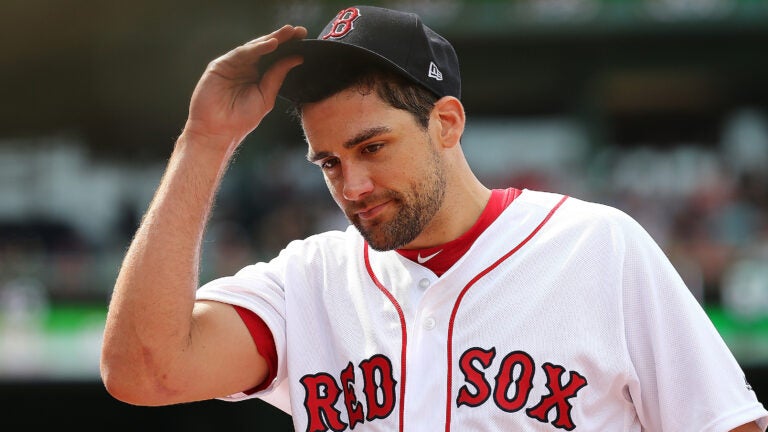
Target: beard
x=416 y=208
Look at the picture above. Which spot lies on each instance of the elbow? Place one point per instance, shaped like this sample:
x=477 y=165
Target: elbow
x=127 y=382
x=118 y=390
x=123 y=386
x=128 y=389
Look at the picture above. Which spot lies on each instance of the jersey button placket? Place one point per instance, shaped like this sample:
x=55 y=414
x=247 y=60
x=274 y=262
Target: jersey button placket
x=429 y=322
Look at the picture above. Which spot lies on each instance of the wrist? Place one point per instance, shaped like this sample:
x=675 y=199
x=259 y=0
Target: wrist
x=200 y=132
x=206 y=150
x=214 y=144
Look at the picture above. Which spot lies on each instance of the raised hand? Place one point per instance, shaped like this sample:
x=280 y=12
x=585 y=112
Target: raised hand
x=232 y=97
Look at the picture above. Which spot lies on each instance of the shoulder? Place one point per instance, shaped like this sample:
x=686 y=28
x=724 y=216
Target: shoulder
x=329 y=243
x=574 y=209
x=579 y=218
x=310 y=255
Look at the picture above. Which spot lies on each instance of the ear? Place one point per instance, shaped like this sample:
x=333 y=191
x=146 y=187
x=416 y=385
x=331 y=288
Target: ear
x=448 y=118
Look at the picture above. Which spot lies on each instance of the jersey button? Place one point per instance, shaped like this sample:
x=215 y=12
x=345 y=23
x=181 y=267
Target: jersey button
x=429 y=323
x=424 y=283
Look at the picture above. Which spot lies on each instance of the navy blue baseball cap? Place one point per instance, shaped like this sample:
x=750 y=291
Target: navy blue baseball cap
x=369 y=36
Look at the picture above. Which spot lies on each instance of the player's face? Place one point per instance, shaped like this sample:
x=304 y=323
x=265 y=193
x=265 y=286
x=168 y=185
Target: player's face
x=381 y=167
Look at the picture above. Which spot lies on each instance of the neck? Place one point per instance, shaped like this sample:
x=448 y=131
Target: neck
x=465 y=199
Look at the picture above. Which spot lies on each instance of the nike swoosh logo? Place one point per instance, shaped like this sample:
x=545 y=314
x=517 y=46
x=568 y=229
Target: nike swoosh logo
x=422 y=260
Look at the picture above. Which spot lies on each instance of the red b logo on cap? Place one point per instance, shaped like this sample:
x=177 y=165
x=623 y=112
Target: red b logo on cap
x=343 y=24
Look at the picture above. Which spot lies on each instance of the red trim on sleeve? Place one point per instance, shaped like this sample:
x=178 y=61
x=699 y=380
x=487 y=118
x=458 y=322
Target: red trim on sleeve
x=265 y=343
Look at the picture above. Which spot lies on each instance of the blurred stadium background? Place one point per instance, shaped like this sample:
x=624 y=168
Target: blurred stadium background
x=658 y=107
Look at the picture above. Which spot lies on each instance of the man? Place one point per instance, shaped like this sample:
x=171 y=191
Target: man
x=444 y=306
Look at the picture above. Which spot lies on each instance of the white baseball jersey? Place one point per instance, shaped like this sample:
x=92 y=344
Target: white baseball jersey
x=563 y=315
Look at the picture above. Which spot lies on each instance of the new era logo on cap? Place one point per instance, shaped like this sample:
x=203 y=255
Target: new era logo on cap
x=434 y=72
x=379 y=37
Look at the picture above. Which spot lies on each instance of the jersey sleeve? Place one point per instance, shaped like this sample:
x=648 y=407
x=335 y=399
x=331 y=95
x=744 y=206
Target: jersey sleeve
x=258 y=290
x=265 y=344
x=688 y=378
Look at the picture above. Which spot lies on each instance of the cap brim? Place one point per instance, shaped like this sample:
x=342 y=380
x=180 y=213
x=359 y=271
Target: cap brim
x=324 y=62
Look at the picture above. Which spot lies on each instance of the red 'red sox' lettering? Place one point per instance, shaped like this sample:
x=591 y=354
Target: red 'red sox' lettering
x=475 y=377
x=517 y=370
x=322 y=392
x=381 y=366
x=510 y=392
x=354 y=407
x=504 y=380
x=558 y=397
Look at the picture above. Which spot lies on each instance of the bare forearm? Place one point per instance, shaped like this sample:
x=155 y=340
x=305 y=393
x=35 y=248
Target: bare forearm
x=156 y=349
x=149 y=319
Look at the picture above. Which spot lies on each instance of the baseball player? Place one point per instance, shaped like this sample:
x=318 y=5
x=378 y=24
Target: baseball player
x=445 y=305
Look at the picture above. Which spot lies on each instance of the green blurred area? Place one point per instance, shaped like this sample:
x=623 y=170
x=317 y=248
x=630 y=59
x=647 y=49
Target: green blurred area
x=747 y=338
x=62 y=319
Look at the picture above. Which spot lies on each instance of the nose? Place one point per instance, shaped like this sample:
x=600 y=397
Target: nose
x=357 y=182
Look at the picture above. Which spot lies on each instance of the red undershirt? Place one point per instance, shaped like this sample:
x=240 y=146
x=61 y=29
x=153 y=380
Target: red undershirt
x=448 y=253
x=445 y=256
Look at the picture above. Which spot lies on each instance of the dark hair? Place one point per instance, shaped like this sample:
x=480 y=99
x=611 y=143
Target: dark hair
x=394 y=89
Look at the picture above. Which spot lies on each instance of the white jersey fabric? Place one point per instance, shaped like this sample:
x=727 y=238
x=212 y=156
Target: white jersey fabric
x=563 y=315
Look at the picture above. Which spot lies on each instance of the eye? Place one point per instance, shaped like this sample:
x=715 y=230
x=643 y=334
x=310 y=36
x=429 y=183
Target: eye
x=329 y=163
x=372 y=148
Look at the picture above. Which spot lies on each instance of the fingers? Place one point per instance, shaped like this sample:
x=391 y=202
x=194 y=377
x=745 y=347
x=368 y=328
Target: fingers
x=274 y=76
x=238 y=64
x=250 y=52
x=283 y=34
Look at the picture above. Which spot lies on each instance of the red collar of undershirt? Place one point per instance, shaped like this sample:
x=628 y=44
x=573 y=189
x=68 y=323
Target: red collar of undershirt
x=440 y=258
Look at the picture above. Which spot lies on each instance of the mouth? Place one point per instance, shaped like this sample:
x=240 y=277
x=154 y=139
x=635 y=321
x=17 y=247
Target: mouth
x=371 y=212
